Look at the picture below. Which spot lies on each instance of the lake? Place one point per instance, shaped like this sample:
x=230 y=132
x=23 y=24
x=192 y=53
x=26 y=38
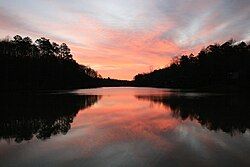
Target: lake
x=124 y=126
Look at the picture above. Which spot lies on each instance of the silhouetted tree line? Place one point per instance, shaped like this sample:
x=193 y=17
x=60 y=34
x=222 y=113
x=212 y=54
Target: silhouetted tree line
x=229 y=113
x=108 y=82
x=41 y=65
x=24 y=116
x=219 y=65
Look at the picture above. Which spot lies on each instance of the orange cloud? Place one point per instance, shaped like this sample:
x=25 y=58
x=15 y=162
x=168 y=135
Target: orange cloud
x=122 y=53
x=122 y=38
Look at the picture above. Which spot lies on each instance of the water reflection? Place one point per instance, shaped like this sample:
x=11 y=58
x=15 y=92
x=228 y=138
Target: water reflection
x=229 y=113
x=24 y=116
x=127 y=127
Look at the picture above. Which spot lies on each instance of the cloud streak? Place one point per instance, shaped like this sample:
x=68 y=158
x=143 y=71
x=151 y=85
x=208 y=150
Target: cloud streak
x=121 y=38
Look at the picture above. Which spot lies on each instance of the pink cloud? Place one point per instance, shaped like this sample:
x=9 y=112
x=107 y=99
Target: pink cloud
x=122 y=38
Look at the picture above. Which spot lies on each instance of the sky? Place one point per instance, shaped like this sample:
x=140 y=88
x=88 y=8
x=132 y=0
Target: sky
x=120 y=38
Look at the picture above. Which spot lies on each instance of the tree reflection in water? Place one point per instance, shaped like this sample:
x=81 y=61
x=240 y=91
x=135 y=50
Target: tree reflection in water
x=229 y=113
x=25 y=116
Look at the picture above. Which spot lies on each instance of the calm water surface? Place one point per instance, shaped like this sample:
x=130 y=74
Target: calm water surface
x=124 y=127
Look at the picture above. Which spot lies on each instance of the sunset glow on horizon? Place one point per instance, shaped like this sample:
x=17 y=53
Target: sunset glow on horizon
x=122 y=38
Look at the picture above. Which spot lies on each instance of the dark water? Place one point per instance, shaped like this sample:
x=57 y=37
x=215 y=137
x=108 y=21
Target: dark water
x=124 y=127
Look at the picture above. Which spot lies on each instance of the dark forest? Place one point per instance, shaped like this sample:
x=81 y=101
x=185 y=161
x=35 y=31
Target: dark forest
x=219 y=66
